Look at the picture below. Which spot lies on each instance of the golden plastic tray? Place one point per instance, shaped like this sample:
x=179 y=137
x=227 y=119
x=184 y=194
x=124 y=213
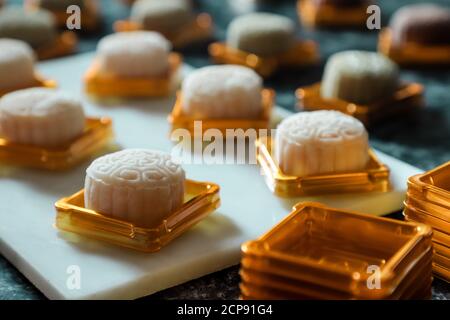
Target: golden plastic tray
x=201 y=198
x=313 y=15
x=375 y=178
x=303 y=53
x=180 y=120
x=420 y=215
x=434 y=185
x=336 y=247
x=39 y=81
x=416 y=201
x=441 y=272
x=415 y=281
x=411 y=53
x=97 y=134
x=407 y=98
x=201 y=28
x=109 y=85
x=64 y=45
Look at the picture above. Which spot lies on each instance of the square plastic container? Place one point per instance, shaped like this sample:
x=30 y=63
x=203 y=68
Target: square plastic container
x=97 y=134
x=64 y=45
x=201 y=28
x=375 y=178
x=434 y=185
x=407 y=98
x=39 y=81
x=302 y=54
x=313 y=15
x=334 y=248
x=200 y=199
x=180 y=120
x=417 y=201
x=109 y=85
x=437 y=224
x=411 y=53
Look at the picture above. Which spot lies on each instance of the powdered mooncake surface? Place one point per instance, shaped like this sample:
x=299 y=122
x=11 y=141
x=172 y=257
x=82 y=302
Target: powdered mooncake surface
x=16 y=64
x=263 y=34
x=225 y=91
x=359 y=77
x=163 y=16
x=136 y=185
x=320 y=142
x=39 y=116
x=134 y=54
x=36 y=27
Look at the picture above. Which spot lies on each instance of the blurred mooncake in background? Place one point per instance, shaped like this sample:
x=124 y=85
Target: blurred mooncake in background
x=17 y=67
x=41 y=117
x=359 y=76
x=136 y=185
x=133 y=64
x=226 y=91
x=37 y=28
x=426 y=24
x=264 y=34
x=321 y=142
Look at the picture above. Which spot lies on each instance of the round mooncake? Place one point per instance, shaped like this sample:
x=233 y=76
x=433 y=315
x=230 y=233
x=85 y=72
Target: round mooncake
x=136 y=185
x=264 y=34
x=36 y=27
x=16 y=64
x=321 y=142
x=359 y=77
x=134 y=54
x=41 y=117
x=164 y=16
x=226 y=91
x=427 y=24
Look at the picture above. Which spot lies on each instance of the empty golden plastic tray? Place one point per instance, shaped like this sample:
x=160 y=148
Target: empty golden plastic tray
x=200 y=199
x=97 y=134
x=423 y=217
x=313 y=15
x=39 y=81
x=441 y=272
x=435 y=210
x=336 y=247
x=407 y=98
x=180 y=120
x=434 y=185
x=64 y=45
x=109 y=85
x=375 y=178
x=200 y=28
x=303 y=53
x=411 y=53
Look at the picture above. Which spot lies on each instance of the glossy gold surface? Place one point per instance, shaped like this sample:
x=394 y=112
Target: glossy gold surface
x=201 y=198
x=324 y=253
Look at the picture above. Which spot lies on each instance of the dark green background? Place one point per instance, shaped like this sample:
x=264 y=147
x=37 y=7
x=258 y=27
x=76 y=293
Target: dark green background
x=422 y=140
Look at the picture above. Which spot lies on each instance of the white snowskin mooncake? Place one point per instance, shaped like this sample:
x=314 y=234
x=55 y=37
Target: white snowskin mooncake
x=41 y=117
x=134 y=54
x=321 y=142
x=225 y=91
x=16 y=64
x=359 y=77
x=261 y=33
x=166 y=16
x=136 y=185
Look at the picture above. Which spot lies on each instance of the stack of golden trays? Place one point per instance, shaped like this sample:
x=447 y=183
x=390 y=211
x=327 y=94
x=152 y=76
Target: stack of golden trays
x=428 y=201
x=323 y=253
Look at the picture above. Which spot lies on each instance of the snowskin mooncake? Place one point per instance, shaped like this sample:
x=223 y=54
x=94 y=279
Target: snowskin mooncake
x=321 y=142
x=16 y=64
x=227 y=91
x=136 y=185
x=40 y=117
